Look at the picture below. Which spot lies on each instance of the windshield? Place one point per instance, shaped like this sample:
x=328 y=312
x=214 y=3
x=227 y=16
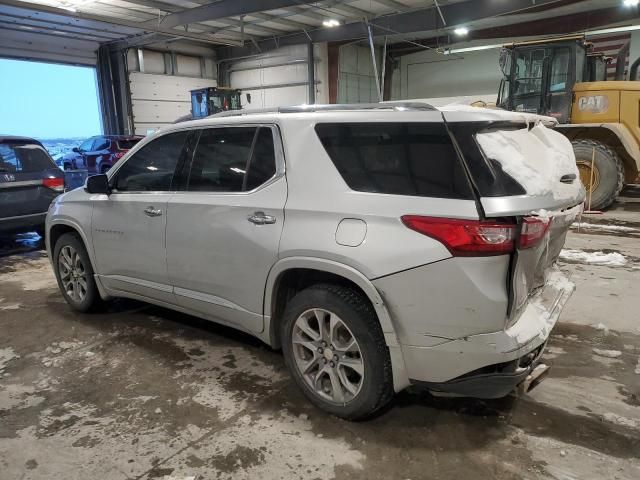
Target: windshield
x=17 y=157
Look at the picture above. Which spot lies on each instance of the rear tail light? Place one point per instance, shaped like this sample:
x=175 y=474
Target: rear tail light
x=476 y=238
x=533 y=231
x=466 y=238
x=55 y=183
x=119 y=155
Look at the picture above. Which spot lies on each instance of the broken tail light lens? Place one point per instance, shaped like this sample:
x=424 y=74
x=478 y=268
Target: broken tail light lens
x=466 y=238
x=533 y=231
x=55 y=183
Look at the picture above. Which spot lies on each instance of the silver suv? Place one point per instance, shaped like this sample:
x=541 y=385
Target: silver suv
x=378 y=246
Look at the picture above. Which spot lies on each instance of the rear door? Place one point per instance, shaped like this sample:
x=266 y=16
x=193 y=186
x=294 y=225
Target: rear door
x=223 y=230
x=24 y=166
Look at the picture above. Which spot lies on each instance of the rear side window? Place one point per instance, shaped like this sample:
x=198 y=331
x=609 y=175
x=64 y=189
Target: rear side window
x=263 y=160
x=24 y=158
x=101 y=143
x=220 y=161
x=127 y=144
x=416 y=159
x=232 y=159
x=152 y=168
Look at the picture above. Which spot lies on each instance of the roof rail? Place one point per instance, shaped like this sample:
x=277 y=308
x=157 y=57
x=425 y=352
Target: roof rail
x=397 y=106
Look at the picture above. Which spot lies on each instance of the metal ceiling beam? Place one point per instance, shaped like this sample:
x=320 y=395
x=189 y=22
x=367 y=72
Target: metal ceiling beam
x=396 y=6
x=116 y=21
x=225 y=8
x=427 y=19
x=63 y=26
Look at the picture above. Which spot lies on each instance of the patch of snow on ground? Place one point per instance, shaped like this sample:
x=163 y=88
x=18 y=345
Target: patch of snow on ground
x=600 y=226
x=6 y=355
x=613 y=259
x=619 y=420
x=535 y=158
x=607 y=353
x=32 y=275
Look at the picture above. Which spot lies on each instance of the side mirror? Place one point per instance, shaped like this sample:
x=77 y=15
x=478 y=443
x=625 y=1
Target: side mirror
x=97 y=184
x=75 y=149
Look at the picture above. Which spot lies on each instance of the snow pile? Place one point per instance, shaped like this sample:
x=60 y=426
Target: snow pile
x=613 y=259
x=607 y=353
x=535 y=158
x=600 y=226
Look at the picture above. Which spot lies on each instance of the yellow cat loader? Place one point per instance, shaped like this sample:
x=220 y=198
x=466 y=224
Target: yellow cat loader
x=565 y=79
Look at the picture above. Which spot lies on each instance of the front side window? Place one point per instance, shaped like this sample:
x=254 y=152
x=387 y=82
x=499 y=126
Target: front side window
x=232 y=159
x=415 y=159
x=153 y=167
x=23 y=158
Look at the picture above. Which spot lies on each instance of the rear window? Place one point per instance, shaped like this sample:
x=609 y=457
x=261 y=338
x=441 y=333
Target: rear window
x=416 y=159
x=127 y=144
x=19 y=157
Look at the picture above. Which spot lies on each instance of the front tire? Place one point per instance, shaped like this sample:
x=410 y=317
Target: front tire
x=74 y=273
x=335 y=351
x=607 y=178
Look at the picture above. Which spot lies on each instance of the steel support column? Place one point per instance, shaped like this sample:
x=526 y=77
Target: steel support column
x=311 y=74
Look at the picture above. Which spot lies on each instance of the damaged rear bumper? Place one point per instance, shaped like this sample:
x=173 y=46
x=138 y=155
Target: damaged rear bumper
x=495 y=381
x=491 y=365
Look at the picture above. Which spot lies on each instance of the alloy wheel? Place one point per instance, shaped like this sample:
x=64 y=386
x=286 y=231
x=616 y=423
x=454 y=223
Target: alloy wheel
x=327 y=355
x=73 y=275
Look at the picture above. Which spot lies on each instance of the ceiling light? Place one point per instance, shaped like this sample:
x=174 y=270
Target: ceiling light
x=331 y=22
x=461 y=31
x=631 y=3
x=448 y=51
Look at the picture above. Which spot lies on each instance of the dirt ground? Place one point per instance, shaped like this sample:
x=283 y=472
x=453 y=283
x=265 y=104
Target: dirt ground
x=143 y=392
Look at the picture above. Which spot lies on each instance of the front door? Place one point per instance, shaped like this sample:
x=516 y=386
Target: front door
x=223 y=231
x=129 y=224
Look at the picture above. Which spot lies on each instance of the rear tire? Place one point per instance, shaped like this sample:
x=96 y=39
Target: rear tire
x=74 y=274
x=350 y=376
x=608 y=175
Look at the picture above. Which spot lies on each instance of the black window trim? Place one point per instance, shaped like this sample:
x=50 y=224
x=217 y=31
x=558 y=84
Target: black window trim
x=186 y=162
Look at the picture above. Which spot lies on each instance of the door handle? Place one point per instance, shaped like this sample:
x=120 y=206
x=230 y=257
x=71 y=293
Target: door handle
x=259 y=218
x=152 y=212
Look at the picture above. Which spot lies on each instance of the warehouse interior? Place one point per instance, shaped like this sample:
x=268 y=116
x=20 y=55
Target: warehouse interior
x=139 y=391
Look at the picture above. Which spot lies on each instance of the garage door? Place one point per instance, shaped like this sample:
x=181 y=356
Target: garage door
x=280 y=77
x=159 y=98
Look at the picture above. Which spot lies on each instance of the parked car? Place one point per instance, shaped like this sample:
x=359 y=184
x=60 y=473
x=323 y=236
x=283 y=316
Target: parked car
x=29 y=181
x=98 y=154
x=378 y=246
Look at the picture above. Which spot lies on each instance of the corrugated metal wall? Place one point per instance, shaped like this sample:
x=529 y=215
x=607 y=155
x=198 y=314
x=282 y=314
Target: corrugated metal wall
x=159 y=83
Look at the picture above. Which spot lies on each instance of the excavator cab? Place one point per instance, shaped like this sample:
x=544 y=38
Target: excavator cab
x=539 y=76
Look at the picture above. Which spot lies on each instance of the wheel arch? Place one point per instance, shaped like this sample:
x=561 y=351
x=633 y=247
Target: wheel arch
x=294 y=269
x=59 y=227
x=616 y=136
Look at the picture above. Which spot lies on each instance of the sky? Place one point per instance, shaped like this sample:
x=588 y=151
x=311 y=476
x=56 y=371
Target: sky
x=45 y=100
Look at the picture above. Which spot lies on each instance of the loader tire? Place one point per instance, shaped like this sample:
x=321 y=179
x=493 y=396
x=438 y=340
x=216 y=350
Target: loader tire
x=608 y=172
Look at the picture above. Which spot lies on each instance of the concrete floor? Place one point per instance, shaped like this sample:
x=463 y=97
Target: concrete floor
x=142 y=392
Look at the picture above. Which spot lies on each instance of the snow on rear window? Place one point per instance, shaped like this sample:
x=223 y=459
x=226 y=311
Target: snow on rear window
x=535 y=158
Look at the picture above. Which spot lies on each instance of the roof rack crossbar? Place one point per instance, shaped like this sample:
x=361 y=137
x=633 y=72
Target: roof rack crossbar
x=397 y=106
